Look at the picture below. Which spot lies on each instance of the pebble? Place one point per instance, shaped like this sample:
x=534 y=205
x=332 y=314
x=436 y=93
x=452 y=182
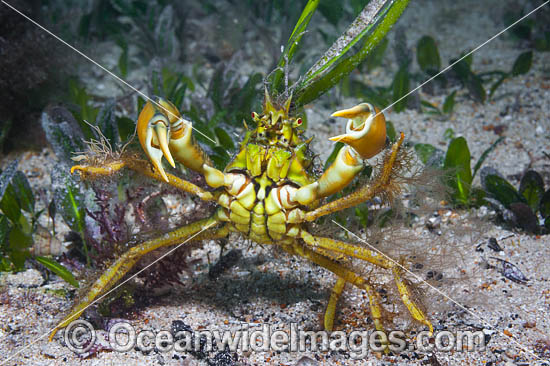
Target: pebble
x=493 y=244
x=51 y=350
x=306 y=361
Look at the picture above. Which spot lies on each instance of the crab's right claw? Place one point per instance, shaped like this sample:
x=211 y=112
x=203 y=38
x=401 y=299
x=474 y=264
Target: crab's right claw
x=365 y=137
x=365 y=130
x=153 y=130
x=163 y=132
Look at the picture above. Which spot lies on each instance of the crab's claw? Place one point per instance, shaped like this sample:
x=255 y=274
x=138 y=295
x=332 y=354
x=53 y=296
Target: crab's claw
x=164 y=132
x=365 y=137
x=365 y=131
x=154 y=130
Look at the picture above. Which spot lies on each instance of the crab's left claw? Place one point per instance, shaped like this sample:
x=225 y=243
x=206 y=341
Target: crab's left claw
x=365 y=131
x=153 y=130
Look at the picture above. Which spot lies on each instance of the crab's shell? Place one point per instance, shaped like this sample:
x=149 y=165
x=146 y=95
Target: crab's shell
x=272 y=164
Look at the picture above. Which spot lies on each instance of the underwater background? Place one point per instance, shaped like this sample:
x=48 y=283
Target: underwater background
x=486 y=117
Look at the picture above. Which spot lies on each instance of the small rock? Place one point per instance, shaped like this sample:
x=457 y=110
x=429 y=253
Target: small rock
x=508 y=270
x=433 y=222
x=222 y=359
x=306 y=361
x=482 y=211
x=525 y=218
x=493 y=244
x=51 y=350
x=434 y=275
x=179 y=326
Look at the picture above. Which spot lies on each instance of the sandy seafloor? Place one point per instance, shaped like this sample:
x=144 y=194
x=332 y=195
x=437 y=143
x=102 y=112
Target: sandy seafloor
x=268 y=287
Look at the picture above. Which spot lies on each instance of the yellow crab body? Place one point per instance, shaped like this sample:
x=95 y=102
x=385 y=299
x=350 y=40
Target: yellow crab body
x=259 y=184
x=268 y=193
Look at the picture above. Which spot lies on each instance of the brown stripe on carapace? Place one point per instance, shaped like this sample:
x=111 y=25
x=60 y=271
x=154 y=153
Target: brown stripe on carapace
x=279 y=196
x=246 y=183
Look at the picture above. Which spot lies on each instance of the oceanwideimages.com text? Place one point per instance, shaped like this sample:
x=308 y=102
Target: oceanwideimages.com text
x=123 y=337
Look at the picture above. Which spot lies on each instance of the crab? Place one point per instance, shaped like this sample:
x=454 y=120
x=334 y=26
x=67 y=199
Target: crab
x=269 y=193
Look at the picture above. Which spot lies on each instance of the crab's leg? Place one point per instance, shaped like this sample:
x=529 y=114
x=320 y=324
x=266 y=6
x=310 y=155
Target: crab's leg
x=105 y=169
x=380 y=185
x=330 y=313
x=370 y=256
x=142 y=167
x=337 y=290
x=199 y=230
x=345 y=275
x=315 y=242
x=163 y=132
x=329 y=246
x=406 y=296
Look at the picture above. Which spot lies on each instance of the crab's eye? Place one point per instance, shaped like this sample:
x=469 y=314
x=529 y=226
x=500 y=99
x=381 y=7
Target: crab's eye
x=254 y=115
x=299 y=121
